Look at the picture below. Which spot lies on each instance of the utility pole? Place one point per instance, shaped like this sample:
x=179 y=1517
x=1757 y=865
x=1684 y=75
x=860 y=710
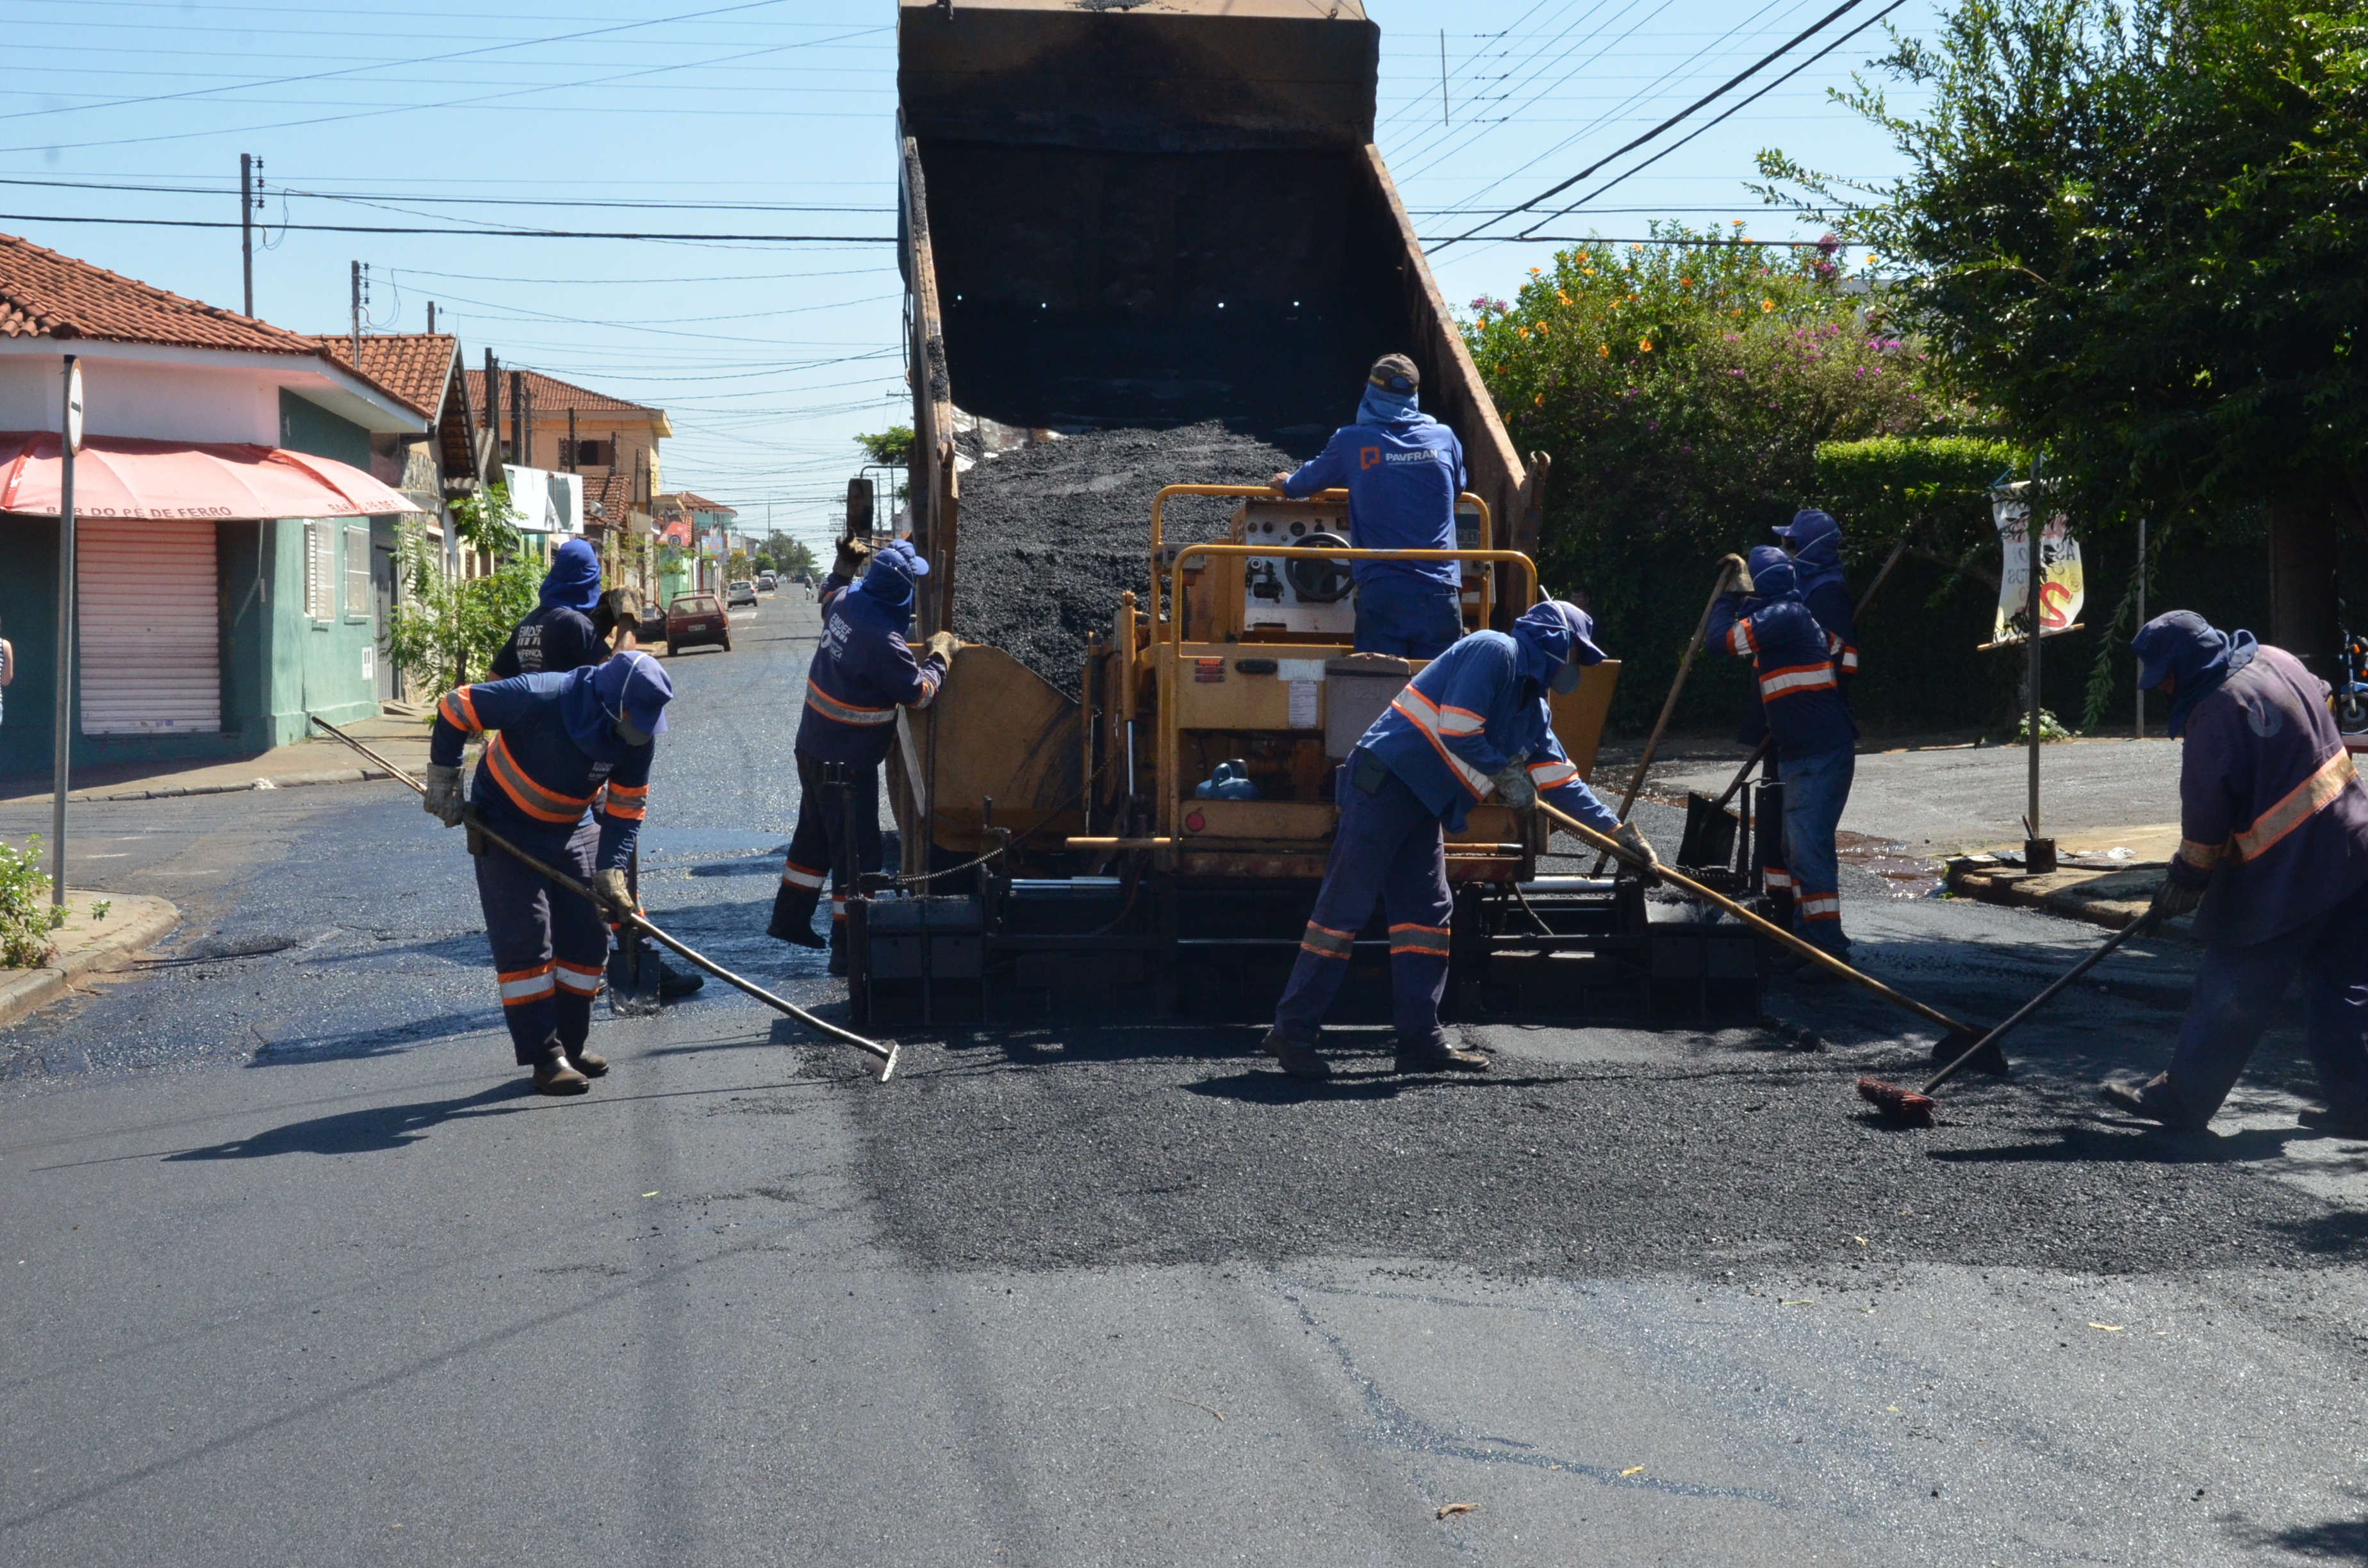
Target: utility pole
x=494 y=401
x=431 y=318
x=2142 y=620
x=571 y=438
x=355 y=293
x=69 y=439
x=248 y=167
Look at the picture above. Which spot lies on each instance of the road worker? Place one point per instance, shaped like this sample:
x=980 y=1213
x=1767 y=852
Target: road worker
x=567 y=778
x=862 y=672
x=1474 y=722
x=558 y=635
x=1816 y=743
x=1814 y=540
x=2273 y=845
x=1403 y=470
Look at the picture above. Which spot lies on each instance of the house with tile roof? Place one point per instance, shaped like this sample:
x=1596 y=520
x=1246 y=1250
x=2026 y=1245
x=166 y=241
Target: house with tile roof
x=210 y=619
x=424 y=369
x=543 y=422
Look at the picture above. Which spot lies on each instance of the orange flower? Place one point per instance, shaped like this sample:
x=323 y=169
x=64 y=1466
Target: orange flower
x=1766 y=305
x=1522 y=330
x=1603 y=350
x=1540 y=400
x=1644 y=344
x=1563 y=296
x=1533 y=272
x=1541 y=329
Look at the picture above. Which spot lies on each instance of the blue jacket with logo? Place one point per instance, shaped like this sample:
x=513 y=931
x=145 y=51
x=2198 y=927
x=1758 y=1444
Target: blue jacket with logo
x=553 y=641
x=552 y=764
x=860 y=674
x=1467 y=717
x=1792 y=660
x=1402 y=478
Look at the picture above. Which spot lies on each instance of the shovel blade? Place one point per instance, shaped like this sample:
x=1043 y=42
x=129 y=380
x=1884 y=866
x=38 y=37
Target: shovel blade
x=632 y=978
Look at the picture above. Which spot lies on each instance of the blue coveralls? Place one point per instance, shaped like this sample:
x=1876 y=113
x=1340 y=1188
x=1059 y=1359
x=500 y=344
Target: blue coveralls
x=1793 y=659
x=862 y=672
x=1431 y=756
x=1403 y=470
x=558 y=636
x=557 y=783
x=2273 y=825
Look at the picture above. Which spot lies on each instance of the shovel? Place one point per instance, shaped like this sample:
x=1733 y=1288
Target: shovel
x=634 y=971
x=639 y=924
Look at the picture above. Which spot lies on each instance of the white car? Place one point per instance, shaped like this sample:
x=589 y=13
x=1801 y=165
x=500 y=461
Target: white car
x=741 y=593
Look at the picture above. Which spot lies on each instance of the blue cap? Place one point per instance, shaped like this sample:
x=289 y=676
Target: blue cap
x=1771 y=573
x=1807 y=525
x=2177 y=641
x=634 y=687
x=1560 y=630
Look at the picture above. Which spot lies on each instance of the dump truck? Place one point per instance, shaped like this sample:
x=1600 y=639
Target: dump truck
x=1118 y=214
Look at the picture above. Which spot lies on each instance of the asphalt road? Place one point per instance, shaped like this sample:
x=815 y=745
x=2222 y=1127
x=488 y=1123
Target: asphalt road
x=294 y=1272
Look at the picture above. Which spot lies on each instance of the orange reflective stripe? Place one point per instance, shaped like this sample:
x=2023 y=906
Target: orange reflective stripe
x=543 y=805
x=1455 y=721
x=523 y=985
x=1431 y=940
x=1820 y=906
x=1794 y=679
x=932 y=675
x=1326 y=943
x=2304 y=801
x=626 y=802
x=797 y=876
x=1850 y=659
x=576 y=977
x=830 y=707
x=458 y=711
x=1547 y=774
x=1424 y=715
x=1739 y=640
x=2202 y=857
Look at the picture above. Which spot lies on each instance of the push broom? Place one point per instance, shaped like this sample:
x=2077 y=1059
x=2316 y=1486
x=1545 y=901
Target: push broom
x=637 y=921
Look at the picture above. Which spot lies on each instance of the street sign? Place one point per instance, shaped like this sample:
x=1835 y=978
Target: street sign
x=73 y=405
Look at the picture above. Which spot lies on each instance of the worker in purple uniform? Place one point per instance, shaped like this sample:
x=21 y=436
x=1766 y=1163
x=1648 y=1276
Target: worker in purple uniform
x=567 y=778
x=1814 y=540
x=862 y=671
x=2273 y=845
x=1473 y=722
x=558 y=634
x=1403 y=470
x=1794 y=660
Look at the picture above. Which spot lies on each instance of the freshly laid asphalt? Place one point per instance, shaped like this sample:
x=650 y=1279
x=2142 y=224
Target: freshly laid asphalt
x=295 y=1271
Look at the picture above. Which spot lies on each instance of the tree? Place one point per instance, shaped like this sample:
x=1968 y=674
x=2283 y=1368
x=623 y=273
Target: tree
x=892 y=447
x=1684 y=388
x=455 y=625
x=790 y=555
x=2136 y=229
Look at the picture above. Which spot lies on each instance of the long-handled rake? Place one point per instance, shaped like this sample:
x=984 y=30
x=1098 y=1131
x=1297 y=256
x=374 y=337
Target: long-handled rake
x=637 y=921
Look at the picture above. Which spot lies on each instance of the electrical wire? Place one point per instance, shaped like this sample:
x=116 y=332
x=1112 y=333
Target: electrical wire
x=476 y=233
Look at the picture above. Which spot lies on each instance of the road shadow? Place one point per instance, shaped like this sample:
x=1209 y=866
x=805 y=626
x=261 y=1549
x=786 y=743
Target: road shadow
x=370 y=1131
x=2133 y=1142
x=362 y=1044
x=1274 y=1088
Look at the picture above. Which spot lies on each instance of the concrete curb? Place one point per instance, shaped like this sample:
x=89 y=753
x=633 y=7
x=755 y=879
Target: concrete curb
x=143 y=919
x=2111 y=899
x=285 y=782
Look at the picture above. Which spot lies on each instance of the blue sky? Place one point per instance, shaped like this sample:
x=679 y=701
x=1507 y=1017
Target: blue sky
x=773 y=117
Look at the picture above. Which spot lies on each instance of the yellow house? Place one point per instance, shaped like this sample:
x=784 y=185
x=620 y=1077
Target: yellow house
x=612 y=439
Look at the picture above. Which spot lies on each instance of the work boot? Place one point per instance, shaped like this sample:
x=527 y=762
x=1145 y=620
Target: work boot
x=1298 y=1060
x=552 y=1075
x=787 y=924
x=2155 y=1099
x=2334 y=1122
x=675 y=984
x=588 y=1061
x=1438 y=1056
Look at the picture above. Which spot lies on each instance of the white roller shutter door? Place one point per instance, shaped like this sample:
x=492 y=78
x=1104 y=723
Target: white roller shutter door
x=149 y=635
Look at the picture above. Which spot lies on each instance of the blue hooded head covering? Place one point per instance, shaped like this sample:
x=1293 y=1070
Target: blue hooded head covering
x=2182 y=643
x=892 y=571
x=1817 y=542
x=1392 y=392
x=633 y=687
x=1771 y=573
x=1551 y=634
x=574 y=580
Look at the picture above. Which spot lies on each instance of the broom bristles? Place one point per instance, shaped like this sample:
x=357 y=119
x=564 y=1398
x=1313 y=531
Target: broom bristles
x=1905 y=1105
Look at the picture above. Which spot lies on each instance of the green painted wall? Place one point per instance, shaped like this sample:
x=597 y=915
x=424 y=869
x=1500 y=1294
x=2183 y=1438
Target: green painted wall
x=310 y=666
x=29 y=596
x=308 y=427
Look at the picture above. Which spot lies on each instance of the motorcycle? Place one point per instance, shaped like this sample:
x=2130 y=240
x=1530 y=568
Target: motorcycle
x=2349 y=699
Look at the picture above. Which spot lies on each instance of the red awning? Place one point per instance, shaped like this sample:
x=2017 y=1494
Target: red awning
x=118 y=476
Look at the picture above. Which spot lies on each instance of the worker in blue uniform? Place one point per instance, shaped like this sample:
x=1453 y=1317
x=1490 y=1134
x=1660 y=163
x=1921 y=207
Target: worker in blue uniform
x=862 y=672
x=558 y=635
x=1474 y=722
x=565 y=778
x=1403 y=470
x=2273 y=845
x=1814 y=540
x=1793 y=659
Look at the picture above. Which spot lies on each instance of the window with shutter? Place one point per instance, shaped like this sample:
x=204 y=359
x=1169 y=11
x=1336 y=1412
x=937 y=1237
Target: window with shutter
x=358 y=571
x=320 y=570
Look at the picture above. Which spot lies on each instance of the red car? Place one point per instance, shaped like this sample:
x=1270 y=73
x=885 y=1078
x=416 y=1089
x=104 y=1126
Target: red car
x=694 y=618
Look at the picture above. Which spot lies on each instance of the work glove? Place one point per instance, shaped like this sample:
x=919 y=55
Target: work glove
x=2172 y=900
x=1739 y=572
x=615 y=897
x=1513 y=786
x=853 y=555
x=618 y=607
x=442 y=800
x=942 y=645
x=1628 y=839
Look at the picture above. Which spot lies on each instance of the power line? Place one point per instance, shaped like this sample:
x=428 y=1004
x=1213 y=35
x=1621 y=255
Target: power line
x=455 y=200
x=1717 y=92
x=477 y=233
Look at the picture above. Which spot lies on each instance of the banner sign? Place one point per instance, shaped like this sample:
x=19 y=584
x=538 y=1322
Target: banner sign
x=548 y=502
x=2062 y=591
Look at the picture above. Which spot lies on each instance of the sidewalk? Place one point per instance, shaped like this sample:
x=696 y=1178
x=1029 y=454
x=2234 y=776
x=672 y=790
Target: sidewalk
x=88 y=943
x=320 y=760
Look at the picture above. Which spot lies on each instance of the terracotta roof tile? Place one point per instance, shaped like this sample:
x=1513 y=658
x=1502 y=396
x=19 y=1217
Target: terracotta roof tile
x=692 y=501
x=44 y=294
x=613 y=492
x=549 y=394
x=415 y=365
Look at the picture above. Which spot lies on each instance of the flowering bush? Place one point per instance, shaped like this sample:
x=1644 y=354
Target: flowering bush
x=1682 y=390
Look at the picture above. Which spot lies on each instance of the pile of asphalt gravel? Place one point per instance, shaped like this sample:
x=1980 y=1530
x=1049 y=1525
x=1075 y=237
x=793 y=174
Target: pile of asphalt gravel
x=1053 y=535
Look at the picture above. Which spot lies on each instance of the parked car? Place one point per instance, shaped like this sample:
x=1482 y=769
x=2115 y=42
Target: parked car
x=652 y=628
x=741 y=593
x=694 y=618
x=767 y=582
